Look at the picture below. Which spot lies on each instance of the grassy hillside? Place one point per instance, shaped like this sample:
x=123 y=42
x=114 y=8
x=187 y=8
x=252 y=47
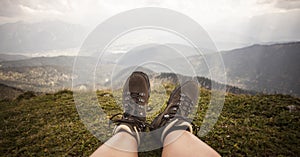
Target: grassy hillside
x=248 y=126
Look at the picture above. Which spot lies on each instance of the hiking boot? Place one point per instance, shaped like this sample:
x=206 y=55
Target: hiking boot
x=136 y=93
x=179 y=106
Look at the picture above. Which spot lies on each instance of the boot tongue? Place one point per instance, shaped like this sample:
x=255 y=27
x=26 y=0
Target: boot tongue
x=133 y=86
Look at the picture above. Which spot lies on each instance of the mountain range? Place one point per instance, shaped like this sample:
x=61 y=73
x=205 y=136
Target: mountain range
x=21 y=37
x=7 y=57
x=265 y=68
x=261 y=68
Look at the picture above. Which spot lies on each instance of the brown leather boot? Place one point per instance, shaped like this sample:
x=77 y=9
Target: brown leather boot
x=136 y=93
x=175 y=116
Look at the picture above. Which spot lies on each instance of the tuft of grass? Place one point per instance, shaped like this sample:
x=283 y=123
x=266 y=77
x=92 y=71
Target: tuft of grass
x=49 y=124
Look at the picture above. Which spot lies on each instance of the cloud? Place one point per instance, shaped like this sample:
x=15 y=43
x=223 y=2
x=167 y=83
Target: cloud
x=281 y=4
x=13 y=8
x=58 y=5
x=288 y=4
x=275 y=26
x=10 y=8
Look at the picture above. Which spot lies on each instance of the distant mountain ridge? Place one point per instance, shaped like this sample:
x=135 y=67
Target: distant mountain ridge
x=7 y=57
x=23 y=37
x=261 y=68
x=204 y=83
x=40 y=61
x=265 y=68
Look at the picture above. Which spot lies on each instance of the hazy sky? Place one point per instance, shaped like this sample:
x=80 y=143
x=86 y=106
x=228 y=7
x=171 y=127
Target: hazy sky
x=91 y=11
x=235 y=20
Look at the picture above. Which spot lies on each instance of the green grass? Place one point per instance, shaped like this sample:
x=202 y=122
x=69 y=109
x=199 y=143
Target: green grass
x=49 y=125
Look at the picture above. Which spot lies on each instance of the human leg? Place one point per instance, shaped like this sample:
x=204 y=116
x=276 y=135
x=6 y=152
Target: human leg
x=121 y=144
x=126 y=139
x=186 y=144
x=175 y=124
